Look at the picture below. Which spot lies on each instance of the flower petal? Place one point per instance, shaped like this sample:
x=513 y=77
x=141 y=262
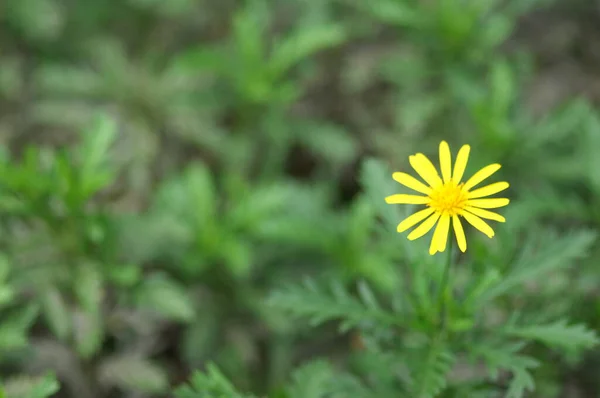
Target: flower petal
x=440 y=236
x=488 y=203
x=424 y=228
x=425 y=169
x=407 y=199
x=478 y=223
x=412 y=220
x=445 y=161
x=461 y=163
x=411 y=182
x=481 y=175
x=460 y=233
x=488 y=190
x=485 y=214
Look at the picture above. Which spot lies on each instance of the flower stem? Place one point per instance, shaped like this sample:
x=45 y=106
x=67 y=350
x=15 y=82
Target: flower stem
x=442 y=299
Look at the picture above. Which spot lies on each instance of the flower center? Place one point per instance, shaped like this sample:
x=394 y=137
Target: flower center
x=448 y=198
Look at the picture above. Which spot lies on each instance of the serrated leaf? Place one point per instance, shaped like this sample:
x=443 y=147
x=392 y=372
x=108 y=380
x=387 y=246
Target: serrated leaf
x=321 y=305
x=557 y=334
x=431 y=376
x=555 y=254
x=210 y=384
x=311 y=380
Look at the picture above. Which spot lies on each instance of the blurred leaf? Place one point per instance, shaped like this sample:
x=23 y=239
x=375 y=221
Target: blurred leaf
x=200 y=337
x=395 y=12
x=89 y=287
x=329 y=141
x=38 y=20
x=159 y=294
x=301 y=44
x=377 y=181
x=95 y=170
x=56 y=313
x=133 y=374
x=14 y=328
x=593 y=142
x=88 y=328
x=556 y=253
x=312 y=380
x=502 y=87
x=30 y=387
x=556 y=334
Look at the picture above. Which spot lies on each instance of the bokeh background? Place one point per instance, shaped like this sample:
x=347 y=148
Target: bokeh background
x=166 y=164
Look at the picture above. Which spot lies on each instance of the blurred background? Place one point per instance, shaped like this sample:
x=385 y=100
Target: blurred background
x=165 y=164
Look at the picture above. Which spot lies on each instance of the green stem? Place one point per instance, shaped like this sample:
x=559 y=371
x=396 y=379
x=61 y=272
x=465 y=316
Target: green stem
x=442 y=301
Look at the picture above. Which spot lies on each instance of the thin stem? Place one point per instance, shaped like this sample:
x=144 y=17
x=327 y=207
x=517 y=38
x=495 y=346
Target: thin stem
x=444 y=285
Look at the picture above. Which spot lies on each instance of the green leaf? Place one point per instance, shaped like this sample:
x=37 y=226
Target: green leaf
x=88 y=330
x=556 y=252
x=89 y=287
x=593 y=143
x=311 y=380
x=393 y=12
x=330 y=141
x=377 y=181
x=56 y=313
x=504 y=356
x=30 y=387
x=14 y=328
x=431 y=376
x=134 y=374
x=304 y=42
x=502 y=87
x=321 y=305
x=95 y=170
x=210 y=384
x=160 y=294
x=201 y=194
x=557 y=335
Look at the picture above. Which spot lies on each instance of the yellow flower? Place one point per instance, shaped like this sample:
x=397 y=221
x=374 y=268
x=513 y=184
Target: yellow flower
x=447 y=198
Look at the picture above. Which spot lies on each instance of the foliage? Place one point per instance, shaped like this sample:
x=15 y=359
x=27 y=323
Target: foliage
x=191 y=200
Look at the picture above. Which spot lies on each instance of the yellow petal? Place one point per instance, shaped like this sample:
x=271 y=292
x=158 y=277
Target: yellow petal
x=481 y=175
x=424 y=228
x=460 y=233
x=411 y=182
x=478 y=223
x=488 y=203
x=488 y=190
x=412 y=220
x=440 y=236
x=461 y=163
x=425 y=169
x=445 y=161
x=407 y=199
x=485 y=214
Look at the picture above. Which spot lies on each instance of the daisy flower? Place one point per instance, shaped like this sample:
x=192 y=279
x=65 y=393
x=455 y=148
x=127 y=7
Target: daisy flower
x=448 y=199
